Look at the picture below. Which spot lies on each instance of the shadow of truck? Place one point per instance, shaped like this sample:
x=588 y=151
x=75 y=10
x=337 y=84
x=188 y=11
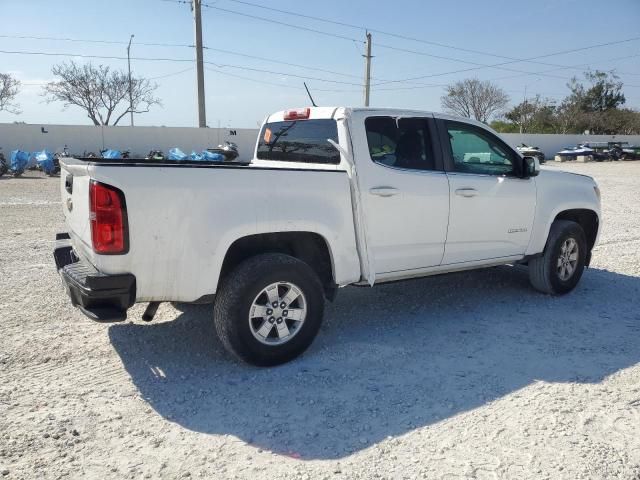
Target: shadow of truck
x=388 y=360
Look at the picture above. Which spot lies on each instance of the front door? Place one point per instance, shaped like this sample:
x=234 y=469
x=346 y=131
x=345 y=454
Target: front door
x=492 y=208
x=405 y=192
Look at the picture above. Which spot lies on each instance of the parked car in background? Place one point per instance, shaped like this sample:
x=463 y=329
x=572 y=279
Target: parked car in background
x=332 y=197
x=630 y=152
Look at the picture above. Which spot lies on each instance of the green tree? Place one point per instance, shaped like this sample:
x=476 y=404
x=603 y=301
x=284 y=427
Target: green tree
x=533 y=116
x=603 y=94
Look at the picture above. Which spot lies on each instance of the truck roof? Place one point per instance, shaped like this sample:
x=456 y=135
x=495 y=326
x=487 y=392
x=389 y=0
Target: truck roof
x=331 y=112
x=338 y=111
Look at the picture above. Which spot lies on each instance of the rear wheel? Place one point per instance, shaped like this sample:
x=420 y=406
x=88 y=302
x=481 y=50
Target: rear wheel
x=560 y=268
x=269 y=309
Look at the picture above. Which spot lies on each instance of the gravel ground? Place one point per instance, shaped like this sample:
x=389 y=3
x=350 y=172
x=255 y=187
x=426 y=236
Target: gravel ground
x=471 y=375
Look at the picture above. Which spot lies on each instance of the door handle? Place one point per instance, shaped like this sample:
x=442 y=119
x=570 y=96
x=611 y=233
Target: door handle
x=467 y=192
x=68 y=184
x=384 y=191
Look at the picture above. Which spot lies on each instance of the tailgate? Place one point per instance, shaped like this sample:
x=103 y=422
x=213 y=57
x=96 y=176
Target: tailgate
x=74 y=188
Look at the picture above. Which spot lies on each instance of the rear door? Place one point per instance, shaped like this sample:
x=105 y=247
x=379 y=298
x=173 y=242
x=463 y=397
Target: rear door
x=404 y=190
x=492 y=208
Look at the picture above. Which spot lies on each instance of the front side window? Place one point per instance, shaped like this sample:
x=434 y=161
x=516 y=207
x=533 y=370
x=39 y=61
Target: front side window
x=304 y=141
x=476 y=151
x=400 y=142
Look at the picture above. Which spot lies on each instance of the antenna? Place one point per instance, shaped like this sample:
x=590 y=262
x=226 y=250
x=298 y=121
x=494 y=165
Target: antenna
x=309 y=93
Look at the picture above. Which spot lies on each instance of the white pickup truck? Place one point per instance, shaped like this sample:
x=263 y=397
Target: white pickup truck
x=332 y=197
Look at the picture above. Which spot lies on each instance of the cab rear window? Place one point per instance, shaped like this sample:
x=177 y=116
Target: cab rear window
x=304 y=141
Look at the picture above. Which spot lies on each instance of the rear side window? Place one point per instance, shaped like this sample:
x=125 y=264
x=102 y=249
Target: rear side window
x=400 y=142
x=304 y=141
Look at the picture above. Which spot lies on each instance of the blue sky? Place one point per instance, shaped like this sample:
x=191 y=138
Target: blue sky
x=507 y=28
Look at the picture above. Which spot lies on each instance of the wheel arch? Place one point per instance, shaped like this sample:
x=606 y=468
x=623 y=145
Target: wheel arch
x=587 y=219
x=309 y=247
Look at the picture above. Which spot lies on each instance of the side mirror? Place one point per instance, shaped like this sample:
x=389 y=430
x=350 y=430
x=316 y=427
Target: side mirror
x=531 y=167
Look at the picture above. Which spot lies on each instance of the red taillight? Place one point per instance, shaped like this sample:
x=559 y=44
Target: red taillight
x=108 y=214
x=297 y=114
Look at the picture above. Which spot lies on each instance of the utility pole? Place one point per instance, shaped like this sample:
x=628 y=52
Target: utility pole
x=130 y=86
x=367 y=71
x=197 y=17
x=523 y=112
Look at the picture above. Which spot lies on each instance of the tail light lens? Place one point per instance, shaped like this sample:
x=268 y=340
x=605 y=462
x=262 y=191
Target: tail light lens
x=108 y=215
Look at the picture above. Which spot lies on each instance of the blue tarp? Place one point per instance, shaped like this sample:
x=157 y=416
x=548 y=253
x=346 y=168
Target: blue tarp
x=19 y=161
x=44 y=160
x=177 y=154
x=115 y=154
x=212 y=157
x=204 y=156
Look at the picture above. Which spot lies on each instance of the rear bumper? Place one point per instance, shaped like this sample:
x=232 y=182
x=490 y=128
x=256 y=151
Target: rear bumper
x=101 y=297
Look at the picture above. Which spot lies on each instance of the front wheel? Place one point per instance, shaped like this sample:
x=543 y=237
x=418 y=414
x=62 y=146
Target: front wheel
x=269 y=309
x=560 y=268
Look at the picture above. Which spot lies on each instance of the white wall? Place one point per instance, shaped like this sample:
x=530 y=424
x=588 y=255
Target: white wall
x=82 y=138
x=139 y=140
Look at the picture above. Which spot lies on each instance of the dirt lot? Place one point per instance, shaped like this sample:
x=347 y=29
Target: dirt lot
x=472 y=375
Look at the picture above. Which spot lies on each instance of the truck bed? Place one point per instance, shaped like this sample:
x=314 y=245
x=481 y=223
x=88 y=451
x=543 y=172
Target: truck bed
x=182 y=217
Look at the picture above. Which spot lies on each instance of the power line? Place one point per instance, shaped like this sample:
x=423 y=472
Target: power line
x=256 y=17
x=85 y=40
x=478 y=65
x=252 y=79
x=115 y=42
x=307 y=67
x=182 y=60
x=506 y=63
x=229 y=52
x=171 y=74
x=105 y=57
x=406 y=37
x=582 y=65
x=297 y=65
x=304 y=77
x=291 y=87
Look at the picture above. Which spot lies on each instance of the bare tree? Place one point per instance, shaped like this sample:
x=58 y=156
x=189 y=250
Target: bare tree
x=473 y=98
x=9 y=88
x=101 y=92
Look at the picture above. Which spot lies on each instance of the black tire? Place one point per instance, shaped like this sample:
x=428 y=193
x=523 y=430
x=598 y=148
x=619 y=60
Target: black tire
x=544 y=274
x=237 y=293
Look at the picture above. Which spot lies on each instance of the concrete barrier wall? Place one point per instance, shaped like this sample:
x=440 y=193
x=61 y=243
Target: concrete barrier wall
x=82 y=138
